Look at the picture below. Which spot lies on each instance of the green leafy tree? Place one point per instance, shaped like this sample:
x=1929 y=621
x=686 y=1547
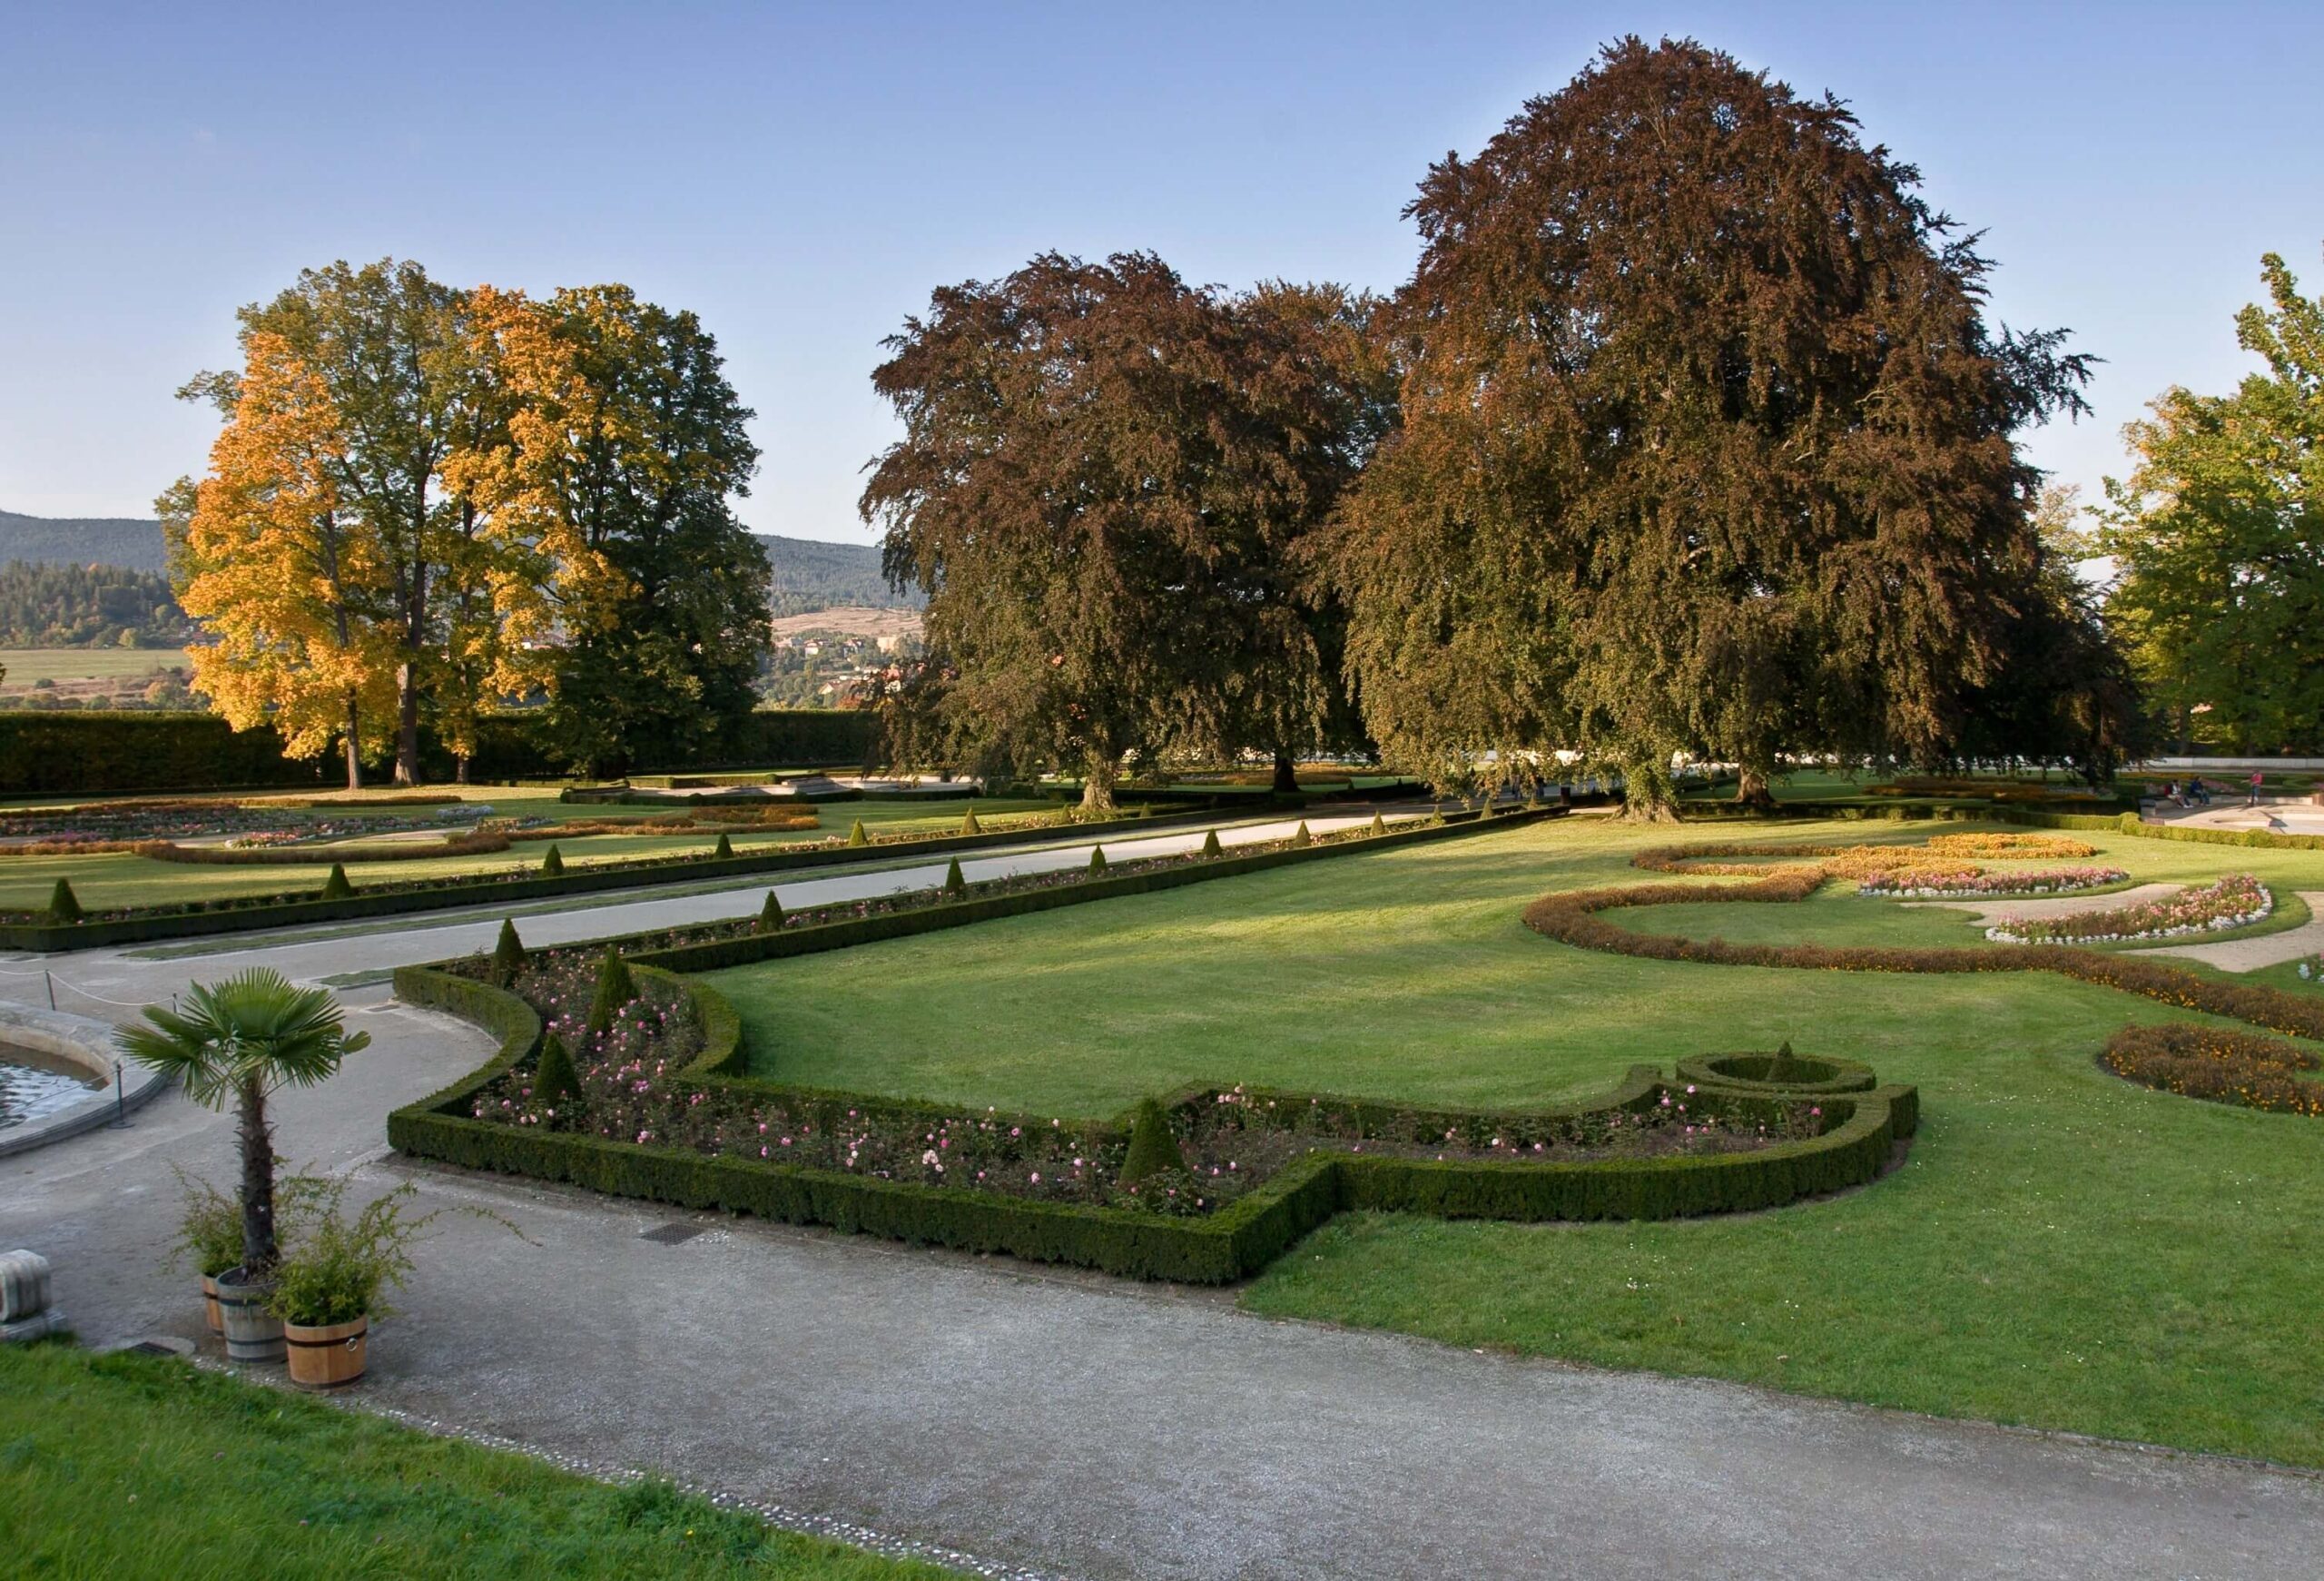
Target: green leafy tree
x=1706 y=446
x=2218 y=536
x=1096 y=860
x=234 y=1043
x=639 y=453
x=335 y=885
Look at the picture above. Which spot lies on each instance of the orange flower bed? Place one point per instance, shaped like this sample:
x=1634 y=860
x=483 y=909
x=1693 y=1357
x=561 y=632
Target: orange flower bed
x=2216 y=1064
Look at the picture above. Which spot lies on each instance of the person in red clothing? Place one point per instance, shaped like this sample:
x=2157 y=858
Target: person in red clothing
x=2255 y=789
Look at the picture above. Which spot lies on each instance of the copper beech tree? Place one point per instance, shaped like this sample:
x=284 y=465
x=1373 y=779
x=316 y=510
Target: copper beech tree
x=1707 y=445
x=1102 y=475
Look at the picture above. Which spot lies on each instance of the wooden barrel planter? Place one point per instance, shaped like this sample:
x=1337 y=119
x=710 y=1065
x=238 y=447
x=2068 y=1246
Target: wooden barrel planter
x=330 y=1356
x=253 y=1333
x=210 y=1313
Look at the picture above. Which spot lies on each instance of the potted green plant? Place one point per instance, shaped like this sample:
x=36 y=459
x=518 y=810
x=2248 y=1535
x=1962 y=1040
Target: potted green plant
x=231 y=1043
x=335 y=1271
x=328 y=1284
x=210 y=1229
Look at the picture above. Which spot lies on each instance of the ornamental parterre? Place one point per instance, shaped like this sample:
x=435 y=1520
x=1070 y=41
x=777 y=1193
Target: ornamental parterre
x=636 y=1088
x=2231 y=902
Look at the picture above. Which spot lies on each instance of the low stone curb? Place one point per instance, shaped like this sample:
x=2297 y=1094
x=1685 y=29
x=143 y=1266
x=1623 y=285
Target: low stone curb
x=87 y=1043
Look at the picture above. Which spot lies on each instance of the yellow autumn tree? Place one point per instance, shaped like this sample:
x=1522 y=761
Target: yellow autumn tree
x=290 y=583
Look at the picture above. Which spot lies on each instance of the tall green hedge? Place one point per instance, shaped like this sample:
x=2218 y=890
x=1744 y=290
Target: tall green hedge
x=90 y=753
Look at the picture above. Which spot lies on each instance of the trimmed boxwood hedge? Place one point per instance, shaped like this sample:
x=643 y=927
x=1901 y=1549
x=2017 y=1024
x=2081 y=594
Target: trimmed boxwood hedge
x=1779 y=1072
x=259 y=912
x=2131 y=823
x=1862 y=1132
x=105 y=752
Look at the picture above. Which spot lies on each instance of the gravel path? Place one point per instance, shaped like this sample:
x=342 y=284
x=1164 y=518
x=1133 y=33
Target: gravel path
x=1076 y=1425
x=1988 y=912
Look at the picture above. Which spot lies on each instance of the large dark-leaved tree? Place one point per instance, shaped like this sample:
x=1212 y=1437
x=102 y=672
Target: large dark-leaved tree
x=1707 y=445
x=1100 y=467
x=634 y=445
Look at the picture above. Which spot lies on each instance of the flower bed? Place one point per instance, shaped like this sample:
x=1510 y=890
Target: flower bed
x=2231 y=902
x=1951 y=855
x=2218 y=1064
x=1953 y=885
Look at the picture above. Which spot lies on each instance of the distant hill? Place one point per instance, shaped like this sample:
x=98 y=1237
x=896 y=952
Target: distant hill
x=50 y=540
x=809 y=575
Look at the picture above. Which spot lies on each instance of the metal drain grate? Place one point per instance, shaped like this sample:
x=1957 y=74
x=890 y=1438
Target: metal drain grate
x=672 y=1234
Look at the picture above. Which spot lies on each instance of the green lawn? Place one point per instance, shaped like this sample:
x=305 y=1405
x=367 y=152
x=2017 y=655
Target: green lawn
x=130 y=1465
x=26 y=665
x=2061 y=1248
x=116 y=879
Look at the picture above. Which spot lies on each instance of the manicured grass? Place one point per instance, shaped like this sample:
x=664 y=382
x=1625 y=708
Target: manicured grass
x=2060 y=1248
x=130 y=1465
x=118 y=878
x=26 y=665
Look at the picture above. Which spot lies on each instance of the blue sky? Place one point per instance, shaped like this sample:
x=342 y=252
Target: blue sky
x=802 y=175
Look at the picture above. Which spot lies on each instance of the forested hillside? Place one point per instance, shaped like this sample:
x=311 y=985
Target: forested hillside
x=810 y=575
x=52 y=540
x=75 y=606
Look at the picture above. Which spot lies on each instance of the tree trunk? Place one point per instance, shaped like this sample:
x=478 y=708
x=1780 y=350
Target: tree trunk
x=1752 y=790
x=354 y=751
x=1098 y=787
x=460 y=769
x=408 y=724
x=1648 y=795
x=256 y=1139
x=1286 y=774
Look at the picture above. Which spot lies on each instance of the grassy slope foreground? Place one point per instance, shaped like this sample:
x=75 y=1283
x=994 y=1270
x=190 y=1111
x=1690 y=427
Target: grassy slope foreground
x=2061 y=1248
x=129 y=1465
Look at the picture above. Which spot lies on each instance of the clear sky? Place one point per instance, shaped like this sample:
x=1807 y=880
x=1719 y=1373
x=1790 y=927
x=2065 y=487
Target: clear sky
x=802 y=175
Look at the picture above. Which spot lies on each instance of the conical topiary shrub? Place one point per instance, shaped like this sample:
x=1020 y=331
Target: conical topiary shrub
x=1210 y=846
x=552 y=864
x=1379 y=825
x=1152 y=1148
x=508 y=954
x=856 y=836
x=1096 y=860
x=64 y=905
x=956 y=882
x=725 y=848
x=336 y=886
x=969 y=825
x=555 y=1082
x=771 y=916
x=616 y=988
x=1300 y=838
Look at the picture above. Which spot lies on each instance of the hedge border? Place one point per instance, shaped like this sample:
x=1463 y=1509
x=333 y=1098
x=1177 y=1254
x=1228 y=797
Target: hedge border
x=266 y=913
x=2131 y=823
x=1570 y=918
x=1862 y=1133
x=1847 y=1075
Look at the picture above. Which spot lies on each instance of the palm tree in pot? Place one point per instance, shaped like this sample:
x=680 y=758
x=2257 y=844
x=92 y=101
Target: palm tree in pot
x=232 y=1043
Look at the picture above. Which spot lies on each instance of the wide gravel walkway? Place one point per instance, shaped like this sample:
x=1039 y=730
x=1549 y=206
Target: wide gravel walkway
x=1081 y=1427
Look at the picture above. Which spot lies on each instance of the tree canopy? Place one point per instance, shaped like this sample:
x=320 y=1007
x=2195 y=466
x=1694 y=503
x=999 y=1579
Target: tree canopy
x=1706 y=446
x=1101 y=473
x=426 y=501
x=2218 y=536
